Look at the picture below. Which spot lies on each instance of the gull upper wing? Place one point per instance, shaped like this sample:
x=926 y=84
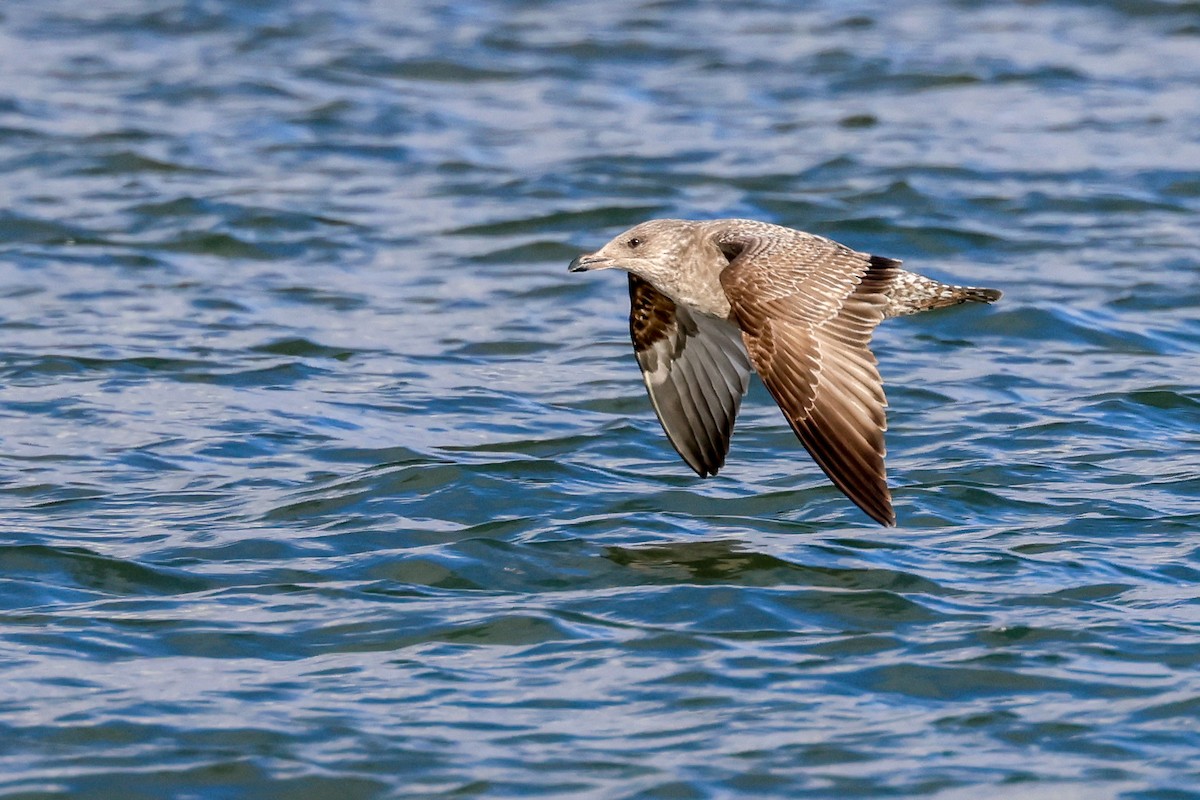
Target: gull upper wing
x=807 y=307
x=696 y=370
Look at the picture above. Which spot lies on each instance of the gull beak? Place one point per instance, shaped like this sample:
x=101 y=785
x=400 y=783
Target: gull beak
x=585 y=262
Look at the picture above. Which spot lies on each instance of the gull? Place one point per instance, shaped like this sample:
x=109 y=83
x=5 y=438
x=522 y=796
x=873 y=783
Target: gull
x=713 y=301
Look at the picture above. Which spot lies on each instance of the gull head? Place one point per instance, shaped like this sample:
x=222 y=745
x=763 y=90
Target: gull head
x=649 y=250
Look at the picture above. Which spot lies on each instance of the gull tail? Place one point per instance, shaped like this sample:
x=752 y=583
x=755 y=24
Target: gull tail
x=911 y=293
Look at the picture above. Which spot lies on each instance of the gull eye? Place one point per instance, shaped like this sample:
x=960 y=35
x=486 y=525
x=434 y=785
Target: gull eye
x=634 y=243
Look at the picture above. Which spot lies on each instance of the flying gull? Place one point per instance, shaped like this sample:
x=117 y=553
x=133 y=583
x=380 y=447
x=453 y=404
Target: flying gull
x=713 y=301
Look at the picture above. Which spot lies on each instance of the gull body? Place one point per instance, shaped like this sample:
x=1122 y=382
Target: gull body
x=713 y=301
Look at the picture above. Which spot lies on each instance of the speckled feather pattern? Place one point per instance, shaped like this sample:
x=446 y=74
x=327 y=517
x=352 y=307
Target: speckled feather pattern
x=711 y=300
x=910 y=293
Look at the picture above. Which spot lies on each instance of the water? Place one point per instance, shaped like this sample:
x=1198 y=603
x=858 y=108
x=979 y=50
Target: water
x=321 y=477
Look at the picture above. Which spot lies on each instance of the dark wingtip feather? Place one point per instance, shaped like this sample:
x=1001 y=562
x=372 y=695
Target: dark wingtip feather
x=984 y=295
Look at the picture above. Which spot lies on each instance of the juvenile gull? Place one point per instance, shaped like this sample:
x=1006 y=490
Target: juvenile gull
x=713 y=301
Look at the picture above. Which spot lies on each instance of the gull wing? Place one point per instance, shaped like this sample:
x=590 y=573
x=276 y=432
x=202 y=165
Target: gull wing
x=807 y=307
x=696 y=370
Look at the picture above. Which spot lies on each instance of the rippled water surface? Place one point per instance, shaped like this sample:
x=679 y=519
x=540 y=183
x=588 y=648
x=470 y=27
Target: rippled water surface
x=320 y=477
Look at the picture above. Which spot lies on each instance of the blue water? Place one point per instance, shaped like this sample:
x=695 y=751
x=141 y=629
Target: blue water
x=320 y=477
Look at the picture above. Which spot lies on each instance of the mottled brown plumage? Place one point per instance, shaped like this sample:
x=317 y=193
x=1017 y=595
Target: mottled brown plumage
x=709 y=301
